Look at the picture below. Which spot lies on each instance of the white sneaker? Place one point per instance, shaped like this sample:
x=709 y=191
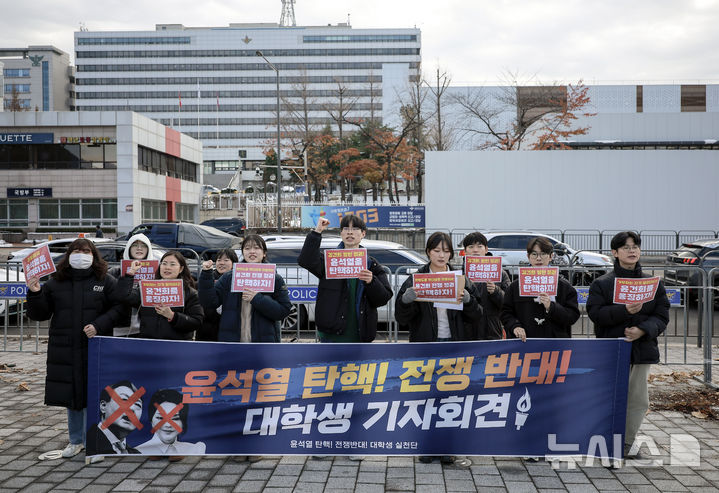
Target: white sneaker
x=462 y=461
x=356 y=457
x=72 y=450
x=94 y=459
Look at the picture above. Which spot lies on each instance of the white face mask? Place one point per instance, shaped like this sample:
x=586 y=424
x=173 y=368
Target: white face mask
x=80 y=260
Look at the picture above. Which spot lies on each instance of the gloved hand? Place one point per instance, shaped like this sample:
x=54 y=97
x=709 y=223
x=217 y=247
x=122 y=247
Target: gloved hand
x=465 y=296
x=409 y=296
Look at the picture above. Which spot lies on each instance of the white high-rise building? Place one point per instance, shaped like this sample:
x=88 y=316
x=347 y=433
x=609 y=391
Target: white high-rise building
x=182 y=76
x=36 y=78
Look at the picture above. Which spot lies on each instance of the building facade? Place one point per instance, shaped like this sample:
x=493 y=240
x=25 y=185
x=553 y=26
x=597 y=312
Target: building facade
x=74 y=170
x=622 y=116
x=37 y=78
x=209 y=82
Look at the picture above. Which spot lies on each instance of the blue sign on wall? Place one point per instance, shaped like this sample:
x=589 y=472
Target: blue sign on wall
x=26 y=138
x=379 y=216
x=302 y=294
x=13 y=290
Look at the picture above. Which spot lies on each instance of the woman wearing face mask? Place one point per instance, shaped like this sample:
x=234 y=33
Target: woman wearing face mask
x=164 y=322
x=211 y=325
x=248 y=316
x=81 y=300
x=164 y=441
x=138 y=247
x=430 y=324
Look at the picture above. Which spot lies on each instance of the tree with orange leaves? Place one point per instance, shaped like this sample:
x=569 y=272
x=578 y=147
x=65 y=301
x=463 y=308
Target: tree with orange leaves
x=340 y=162
x=556 y=128
x=320 y=168
x=507 y=117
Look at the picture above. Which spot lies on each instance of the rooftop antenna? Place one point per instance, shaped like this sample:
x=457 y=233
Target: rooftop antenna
x=83 y=27
x=287 y=18
x=348 y=21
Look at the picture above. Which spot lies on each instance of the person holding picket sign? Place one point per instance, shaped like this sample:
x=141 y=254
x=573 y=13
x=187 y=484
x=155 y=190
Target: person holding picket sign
x=138 y=247
x=162 y=321
x=543 y=315
x=639 y=323
x=491 y=295
x=430 y=323
x=81 y=300
x=209 y=331
x=247 y=316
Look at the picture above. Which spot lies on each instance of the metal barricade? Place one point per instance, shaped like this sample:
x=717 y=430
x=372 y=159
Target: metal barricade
x=12 y=308
x=583 y=239
x=302 y=288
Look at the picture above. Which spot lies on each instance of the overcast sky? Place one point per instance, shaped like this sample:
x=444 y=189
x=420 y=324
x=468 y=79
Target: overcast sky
x=475 y=41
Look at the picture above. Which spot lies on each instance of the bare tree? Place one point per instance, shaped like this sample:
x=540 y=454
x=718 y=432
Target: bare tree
x=14 y=103
x=298 y=126
x=441 y=133
x=413 y=109
x=504 y=119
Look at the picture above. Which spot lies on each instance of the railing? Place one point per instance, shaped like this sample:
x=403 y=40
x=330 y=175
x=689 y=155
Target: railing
x=691 y=326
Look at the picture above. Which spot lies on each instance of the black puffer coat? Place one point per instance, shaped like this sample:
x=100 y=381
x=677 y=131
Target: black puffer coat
x=210 y=327
x=488 y=326
x=71 y=304
x=525 y=312
x=421 y=316
x=610 y=320
x=333 y=294
x=186 y=321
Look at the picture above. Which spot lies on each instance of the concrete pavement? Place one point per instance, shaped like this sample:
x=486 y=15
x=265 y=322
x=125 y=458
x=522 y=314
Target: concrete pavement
x=28 y=428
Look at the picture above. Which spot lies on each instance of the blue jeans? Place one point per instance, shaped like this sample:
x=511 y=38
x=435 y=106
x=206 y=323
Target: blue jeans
x=76 y=424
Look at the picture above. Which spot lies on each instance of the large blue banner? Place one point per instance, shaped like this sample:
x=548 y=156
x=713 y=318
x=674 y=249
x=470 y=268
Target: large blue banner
x=542 y=397
x=377 y=216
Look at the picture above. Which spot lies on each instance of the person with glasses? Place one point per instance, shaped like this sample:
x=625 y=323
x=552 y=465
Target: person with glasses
x=542 y=316
x=639 y=324
x=346 y=309
x=246 y=316
x=164 y=322
x=138 y=247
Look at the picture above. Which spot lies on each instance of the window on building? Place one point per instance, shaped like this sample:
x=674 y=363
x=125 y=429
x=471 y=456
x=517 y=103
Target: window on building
x=154 y=211
x=18 y=88
x=163 y=164
x=185 y=212
x=77 y=212
x=694 y=98
x=16 y=72
x=13 y=213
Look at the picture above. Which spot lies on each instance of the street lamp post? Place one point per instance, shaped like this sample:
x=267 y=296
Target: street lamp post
x=279 y=169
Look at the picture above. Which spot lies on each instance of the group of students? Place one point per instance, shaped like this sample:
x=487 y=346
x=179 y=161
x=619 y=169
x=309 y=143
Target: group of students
x=82 y=300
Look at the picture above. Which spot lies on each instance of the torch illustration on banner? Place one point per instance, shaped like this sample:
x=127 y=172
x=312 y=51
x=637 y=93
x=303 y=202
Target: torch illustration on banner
x=524 y=404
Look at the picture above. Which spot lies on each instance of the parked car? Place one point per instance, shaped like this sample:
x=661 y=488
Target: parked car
x=209 y=190
x=512 y=247
x=284 y=250
x=232 y=225
x=57 y=248
x=701 y=254
x=186 y=237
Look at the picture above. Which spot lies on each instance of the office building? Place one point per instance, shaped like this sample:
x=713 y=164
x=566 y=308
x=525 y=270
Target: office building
x=36 y=78
x=68 y=171
x=209 y=82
